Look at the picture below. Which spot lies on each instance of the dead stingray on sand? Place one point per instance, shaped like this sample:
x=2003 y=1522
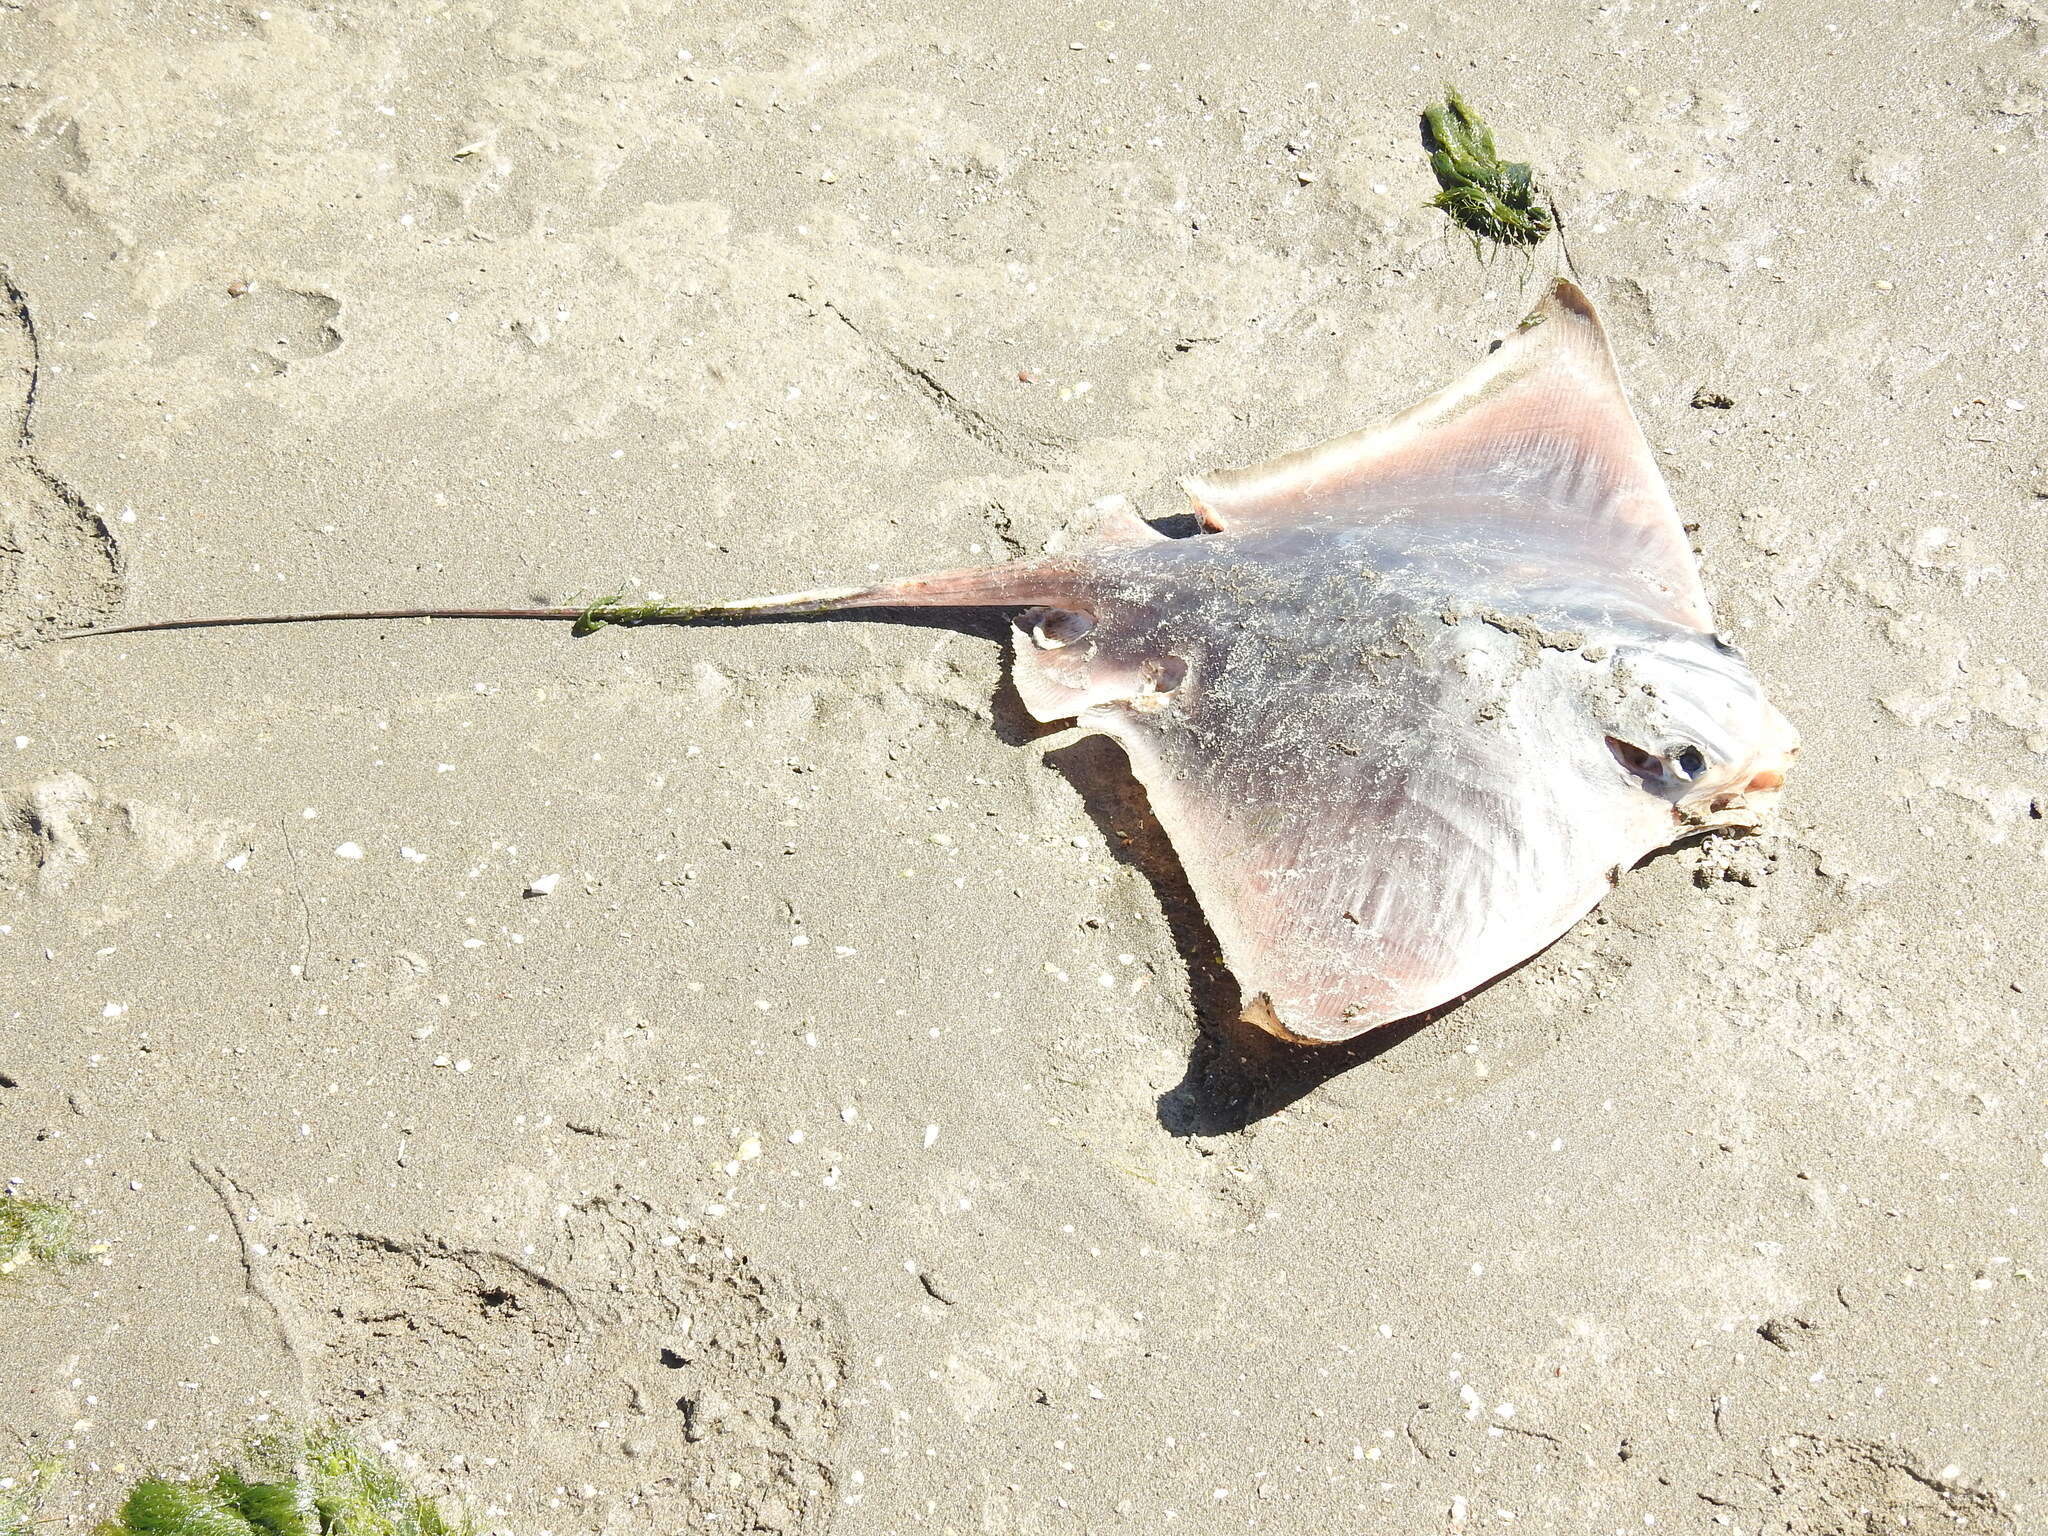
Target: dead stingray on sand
x=1411 y=705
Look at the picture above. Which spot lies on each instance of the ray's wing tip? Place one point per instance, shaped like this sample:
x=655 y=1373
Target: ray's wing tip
x=1259 y=1012
x=1568 y=295
x=1565 y=300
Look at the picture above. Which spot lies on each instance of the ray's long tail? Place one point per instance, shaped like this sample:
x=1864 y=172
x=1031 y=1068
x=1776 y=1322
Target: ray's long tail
x=1022 y=584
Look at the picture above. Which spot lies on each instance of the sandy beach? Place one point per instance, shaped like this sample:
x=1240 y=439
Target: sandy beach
x=756 y=1079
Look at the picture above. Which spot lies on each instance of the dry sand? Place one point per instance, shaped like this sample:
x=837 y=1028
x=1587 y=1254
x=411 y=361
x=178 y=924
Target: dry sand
x=863 y=1083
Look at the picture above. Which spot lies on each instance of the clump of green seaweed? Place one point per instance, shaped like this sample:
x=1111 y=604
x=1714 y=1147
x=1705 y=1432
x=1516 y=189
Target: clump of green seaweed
x=21 y=1496
x=36 y=1231
x=311 y=1482
x=1489 y=198
x=314 y=1482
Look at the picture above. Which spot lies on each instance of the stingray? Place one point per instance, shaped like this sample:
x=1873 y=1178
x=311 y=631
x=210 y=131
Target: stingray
x=1412 y=702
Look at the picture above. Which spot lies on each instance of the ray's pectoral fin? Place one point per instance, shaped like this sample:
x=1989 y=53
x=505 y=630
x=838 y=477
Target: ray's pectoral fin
x=1341 y=900
x=1539 y=432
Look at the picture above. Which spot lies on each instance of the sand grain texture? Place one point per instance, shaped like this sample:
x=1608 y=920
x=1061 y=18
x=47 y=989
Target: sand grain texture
x=1725 y=1211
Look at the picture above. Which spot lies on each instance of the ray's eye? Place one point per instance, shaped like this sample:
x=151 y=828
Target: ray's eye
x=1164 y=675
x=1053 y=629
x=1658 y=773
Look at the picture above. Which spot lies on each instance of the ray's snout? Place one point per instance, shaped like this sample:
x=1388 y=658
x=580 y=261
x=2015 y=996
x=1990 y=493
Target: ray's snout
x=1749 y=792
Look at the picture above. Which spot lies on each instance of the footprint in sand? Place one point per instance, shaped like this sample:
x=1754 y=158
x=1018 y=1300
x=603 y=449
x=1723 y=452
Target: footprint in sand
x=59 y=565
x=650 y=1379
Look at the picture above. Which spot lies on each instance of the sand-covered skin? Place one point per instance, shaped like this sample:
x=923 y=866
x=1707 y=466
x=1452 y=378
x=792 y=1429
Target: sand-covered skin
x=854 y=1031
